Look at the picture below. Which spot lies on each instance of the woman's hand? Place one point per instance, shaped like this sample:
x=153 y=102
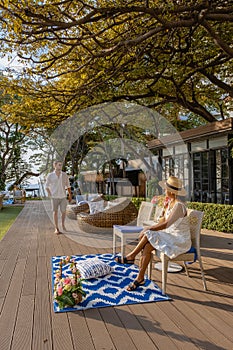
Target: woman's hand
x=161 y=219
x=142 y=233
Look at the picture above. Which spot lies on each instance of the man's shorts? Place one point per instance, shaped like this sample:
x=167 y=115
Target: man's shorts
x=59 y=202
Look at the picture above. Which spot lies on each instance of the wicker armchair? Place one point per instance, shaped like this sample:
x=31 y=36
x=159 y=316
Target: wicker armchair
x=123 y=213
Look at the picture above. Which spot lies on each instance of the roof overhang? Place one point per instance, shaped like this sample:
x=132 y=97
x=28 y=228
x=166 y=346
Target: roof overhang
x=214 y=129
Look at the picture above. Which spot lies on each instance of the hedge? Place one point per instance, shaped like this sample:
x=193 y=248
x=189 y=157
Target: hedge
x=218 y=217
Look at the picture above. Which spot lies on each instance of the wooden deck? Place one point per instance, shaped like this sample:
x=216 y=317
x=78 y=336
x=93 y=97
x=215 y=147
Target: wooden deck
x=194 y=319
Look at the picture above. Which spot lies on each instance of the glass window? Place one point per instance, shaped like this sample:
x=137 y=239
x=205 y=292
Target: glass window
x=201 y=191
x=222 y=176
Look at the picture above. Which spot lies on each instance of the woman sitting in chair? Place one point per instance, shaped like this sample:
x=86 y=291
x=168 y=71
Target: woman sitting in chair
x=170 y=235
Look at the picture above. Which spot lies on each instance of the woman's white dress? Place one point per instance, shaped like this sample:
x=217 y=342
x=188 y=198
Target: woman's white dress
x=175 y=239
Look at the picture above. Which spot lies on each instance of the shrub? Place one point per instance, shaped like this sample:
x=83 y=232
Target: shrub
x=218 y=217
x=137 y=201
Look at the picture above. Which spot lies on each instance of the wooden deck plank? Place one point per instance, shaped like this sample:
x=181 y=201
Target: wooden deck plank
x=202 y=321
x=193 y=320
x=59 y=322
x=98 y=330
x=116 y=329
x=80 y=332
x=216 y=313
x=42 y=329
x=10 y=306
x=60 y=326
x=157 y=333
x=22 y=337
x=189 y=291
x=135 y=330
x=185 y=324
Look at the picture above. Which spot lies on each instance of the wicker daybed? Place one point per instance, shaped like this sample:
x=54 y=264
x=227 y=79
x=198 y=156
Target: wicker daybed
x=73 y=209
x=122 y=213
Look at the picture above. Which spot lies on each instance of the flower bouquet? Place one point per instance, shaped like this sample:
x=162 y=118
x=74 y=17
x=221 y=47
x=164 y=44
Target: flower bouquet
x=160 y=203
x=68 y=290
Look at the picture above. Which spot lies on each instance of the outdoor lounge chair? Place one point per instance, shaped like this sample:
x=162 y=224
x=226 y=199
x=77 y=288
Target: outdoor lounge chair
x=192 y=255
x=83 y=205
x=122 y=212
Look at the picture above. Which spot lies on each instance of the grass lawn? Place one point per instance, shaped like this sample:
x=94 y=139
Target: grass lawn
x=7 y=217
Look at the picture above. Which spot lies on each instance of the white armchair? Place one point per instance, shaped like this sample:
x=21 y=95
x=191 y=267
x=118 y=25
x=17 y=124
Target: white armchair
x=193 y=254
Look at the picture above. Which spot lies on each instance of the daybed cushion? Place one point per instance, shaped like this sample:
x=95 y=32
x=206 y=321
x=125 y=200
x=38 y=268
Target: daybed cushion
x=93 y=268
x=80 y=199
x=96 y=207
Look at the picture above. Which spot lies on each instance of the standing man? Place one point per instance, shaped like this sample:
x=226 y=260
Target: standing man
x=56 y=185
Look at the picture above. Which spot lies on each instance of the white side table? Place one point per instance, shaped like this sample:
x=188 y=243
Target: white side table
x=125 y=233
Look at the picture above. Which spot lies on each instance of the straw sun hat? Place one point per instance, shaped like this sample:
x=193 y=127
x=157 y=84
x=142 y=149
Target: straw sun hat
x=174 y=185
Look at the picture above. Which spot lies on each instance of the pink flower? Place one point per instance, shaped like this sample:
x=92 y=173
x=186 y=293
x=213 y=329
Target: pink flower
x=73 y=282
x=59 y=291
x=166 y=201
x=67 y=280
x=154 y=200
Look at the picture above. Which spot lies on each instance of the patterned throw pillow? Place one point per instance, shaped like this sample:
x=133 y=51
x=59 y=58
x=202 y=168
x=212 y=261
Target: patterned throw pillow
x=93 y=268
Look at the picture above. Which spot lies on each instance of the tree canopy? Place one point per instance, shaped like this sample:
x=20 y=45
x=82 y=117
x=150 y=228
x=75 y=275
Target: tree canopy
x=174 y=56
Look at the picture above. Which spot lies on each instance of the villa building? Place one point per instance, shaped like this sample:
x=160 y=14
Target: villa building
x=203 y=158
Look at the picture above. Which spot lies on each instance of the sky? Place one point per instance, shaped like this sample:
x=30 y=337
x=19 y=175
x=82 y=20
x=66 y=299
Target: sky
x=13 y=63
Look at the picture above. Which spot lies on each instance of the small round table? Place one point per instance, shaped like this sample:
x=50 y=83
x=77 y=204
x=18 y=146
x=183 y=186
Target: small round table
x=172 y=267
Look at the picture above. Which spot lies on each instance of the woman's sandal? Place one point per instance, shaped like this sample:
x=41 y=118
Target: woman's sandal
x=134 y=285
x=125 y=260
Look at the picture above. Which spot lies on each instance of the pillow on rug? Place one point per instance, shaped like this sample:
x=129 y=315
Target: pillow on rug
x=93 y=268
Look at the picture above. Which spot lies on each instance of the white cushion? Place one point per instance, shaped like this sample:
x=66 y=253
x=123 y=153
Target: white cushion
x=80 y=199
x=93 y=268
x=96 y=207
x=92 y=196
x=111 y=204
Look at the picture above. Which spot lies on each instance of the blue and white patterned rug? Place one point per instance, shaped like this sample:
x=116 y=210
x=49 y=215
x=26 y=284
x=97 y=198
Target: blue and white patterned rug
x=110 y=290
